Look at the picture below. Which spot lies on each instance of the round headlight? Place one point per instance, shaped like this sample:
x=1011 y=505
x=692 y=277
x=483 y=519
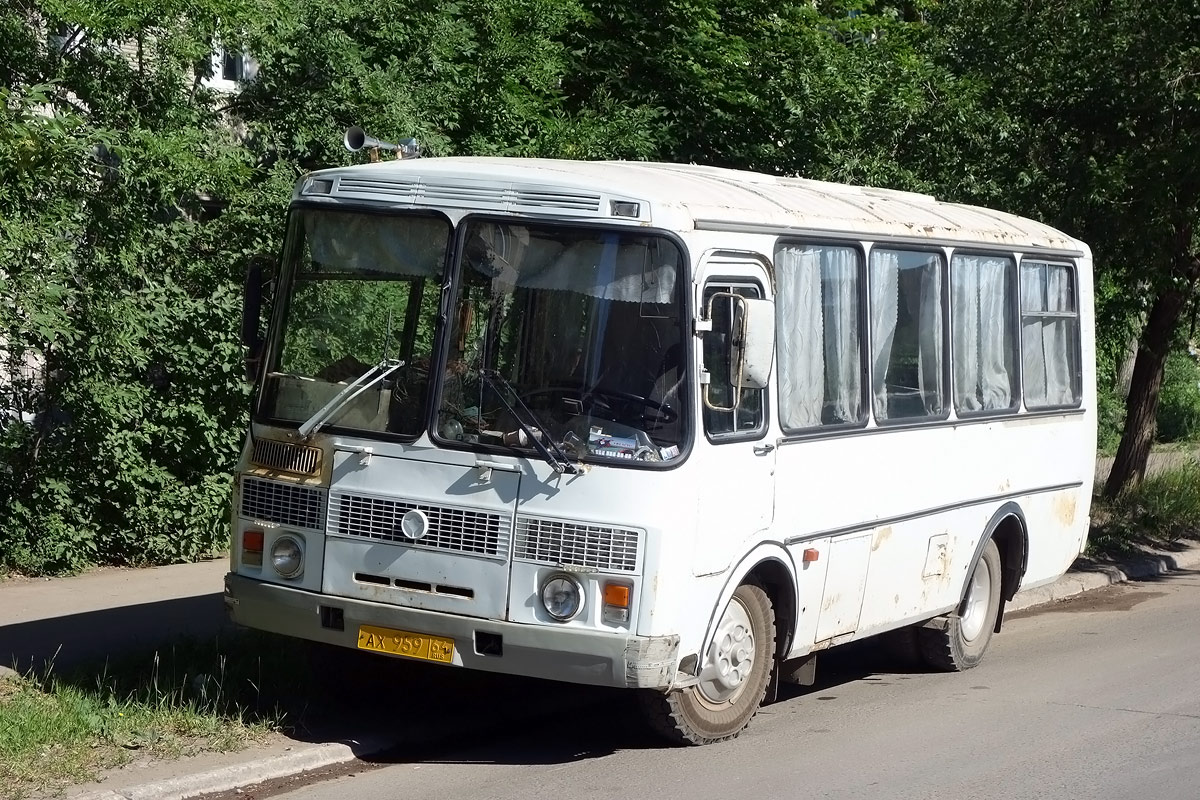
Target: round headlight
x=562 y=597
x=287 y=556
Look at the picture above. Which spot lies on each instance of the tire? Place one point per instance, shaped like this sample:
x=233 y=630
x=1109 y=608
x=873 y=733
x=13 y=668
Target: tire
x=960 y=639
x=711 y=710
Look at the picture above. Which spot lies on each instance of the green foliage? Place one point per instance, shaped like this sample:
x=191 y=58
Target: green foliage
x=131 y=194
x=1179 y=403
x=1162 y=510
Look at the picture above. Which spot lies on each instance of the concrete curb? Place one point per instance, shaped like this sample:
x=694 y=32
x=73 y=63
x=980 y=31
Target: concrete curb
x=1086 y=576
x=238 y=776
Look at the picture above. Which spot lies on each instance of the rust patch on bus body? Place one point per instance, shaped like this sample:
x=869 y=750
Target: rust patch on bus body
x=1064 y=509
x=881 y=536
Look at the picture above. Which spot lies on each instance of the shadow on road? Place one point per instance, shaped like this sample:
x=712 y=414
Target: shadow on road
x=186 y=650
x=70 y=640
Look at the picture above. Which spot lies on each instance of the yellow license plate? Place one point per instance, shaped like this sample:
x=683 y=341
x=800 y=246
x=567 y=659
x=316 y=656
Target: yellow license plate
x=404 y=643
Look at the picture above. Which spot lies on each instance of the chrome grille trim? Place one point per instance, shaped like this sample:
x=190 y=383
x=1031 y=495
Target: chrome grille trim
x=282 y=503
x=575 y=544
x=458 y=530
x=286 y=457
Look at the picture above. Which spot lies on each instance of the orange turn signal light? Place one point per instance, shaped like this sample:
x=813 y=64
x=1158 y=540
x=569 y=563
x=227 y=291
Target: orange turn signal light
x=812 y=554
x=616 y=594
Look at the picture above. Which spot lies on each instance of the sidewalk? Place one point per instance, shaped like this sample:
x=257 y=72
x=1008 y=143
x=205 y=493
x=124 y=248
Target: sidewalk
x=106 y=611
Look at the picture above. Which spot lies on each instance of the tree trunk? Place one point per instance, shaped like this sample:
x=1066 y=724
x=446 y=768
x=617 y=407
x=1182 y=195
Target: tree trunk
x=1158 y=335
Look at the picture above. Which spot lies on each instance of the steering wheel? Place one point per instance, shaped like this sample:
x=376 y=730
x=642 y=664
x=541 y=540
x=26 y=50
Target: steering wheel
x=607 y=401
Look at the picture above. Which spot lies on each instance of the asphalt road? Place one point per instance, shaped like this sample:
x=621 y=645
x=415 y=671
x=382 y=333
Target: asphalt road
x=1098 y=697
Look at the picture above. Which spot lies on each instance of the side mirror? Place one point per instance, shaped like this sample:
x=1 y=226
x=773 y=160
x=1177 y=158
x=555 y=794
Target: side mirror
x=750 y=340
x=258 y=272
x=753 y=343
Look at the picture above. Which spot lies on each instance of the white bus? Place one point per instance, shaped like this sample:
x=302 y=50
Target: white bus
x=657 y=426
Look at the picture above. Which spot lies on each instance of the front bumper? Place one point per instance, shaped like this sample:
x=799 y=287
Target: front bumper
x=595 y=658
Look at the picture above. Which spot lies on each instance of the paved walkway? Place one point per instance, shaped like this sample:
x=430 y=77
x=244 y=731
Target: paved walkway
x=107 y=611
x=1159 y=461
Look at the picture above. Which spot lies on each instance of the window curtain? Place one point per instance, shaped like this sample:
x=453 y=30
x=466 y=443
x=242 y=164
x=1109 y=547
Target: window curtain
x=885 y=306
x=843 y=377
x=929 y=337
x=982 y=333
x=799 y=326
x=1057 y=336
x=1032 y=346
x=1046 y=341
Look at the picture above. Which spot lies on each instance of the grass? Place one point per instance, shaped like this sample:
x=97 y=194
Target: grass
x=62 y=729
x=1160 y=512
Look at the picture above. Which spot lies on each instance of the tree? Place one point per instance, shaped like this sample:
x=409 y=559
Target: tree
x=1108 y=95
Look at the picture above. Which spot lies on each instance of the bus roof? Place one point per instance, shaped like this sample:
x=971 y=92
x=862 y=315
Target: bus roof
x=678 y=197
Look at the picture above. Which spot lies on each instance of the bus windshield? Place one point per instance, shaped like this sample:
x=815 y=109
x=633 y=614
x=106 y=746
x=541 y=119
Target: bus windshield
x=568 y=335
x=362 y=306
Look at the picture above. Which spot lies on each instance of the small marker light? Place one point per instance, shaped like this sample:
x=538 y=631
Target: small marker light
x=623 y=208
x=811 y=554
x=616 y=602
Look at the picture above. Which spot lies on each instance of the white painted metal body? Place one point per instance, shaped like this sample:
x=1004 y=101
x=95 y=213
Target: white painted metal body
x=895 y=515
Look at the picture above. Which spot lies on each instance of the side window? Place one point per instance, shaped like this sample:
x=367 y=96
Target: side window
x=907 y=331
x=983 y=300
x=1049 y=335
x=748 y=418
x=818 y=336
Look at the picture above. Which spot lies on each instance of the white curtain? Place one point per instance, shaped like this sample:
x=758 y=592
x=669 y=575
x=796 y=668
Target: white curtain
x=885 y=306
x=799 y=327
x=982 y=333
x=1046 y=341
x=840 y=298
x=1057 y=334
x=929 y=337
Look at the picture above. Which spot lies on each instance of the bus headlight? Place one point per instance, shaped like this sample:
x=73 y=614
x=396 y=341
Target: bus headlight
x=562 y=597
x=287 y=556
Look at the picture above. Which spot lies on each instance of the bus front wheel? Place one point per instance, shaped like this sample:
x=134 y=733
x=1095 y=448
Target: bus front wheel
x=959 y=640
x=733 y=676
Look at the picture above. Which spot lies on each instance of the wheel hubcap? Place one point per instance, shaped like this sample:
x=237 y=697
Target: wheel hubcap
x=730 y=658
x=975 y=609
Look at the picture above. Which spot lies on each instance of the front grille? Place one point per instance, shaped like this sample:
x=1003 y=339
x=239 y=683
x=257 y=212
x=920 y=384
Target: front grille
x=572 y=544
x=282 y=503
x=456 y=529
x=286 y=457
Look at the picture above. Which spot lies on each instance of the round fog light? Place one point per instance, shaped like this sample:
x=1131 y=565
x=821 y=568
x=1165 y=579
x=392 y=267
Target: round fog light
x=287 y=556
x=562 y=597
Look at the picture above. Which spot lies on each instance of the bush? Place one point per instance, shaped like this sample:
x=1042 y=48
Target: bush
x=1162 y=509
x=1179 y=403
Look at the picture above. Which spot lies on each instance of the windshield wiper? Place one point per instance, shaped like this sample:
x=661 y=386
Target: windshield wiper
x=356 y=387
x=557 y=459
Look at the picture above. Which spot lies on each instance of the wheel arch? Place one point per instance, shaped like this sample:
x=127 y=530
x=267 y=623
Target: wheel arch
x=771 y=566
x=1008 y=529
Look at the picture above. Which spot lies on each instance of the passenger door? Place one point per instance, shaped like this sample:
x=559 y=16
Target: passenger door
x=736 y=459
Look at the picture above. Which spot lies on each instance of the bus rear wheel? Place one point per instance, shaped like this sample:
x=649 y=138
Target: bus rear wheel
x=733 y=676
x=962 y=638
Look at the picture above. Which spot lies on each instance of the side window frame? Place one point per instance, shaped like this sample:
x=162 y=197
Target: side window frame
x=946 y=396
x=731 y=283
x=1014 y=319
x=1075 y=347
x=862 y=309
